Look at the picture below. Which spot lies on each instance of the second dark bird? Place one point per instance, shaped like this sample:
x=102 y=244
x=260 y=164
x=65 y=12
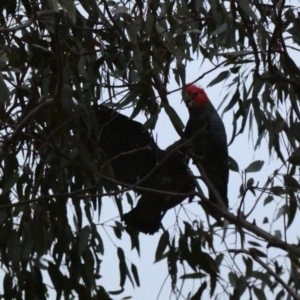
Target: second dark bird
x=137 y=161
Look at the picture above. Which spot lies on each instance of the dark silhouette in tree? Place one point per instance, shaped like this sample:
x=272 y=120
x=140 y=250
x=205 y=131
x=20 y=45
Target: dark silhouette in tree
x=208 y=135
x=137 y=161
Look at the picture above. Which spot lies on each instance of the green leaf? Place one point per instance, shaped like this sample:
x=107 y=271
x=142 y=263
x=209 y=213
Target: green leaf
x=149 y=23
x=198 y=294
x=117 y=292
x=292 y=208
x=70 y=9
x=280 y=295
x=257 y=252
x=249 y=266
x=222 y=76
x=83 y=239
x=268 y=200
x=172 y=260
x=242 y=190
x=134 y=237
x=265 y=220
x=241 y=285
x=102 y=294
x=151 y=122
x=250 y=182
x=10 y=182
x=295 y=157
x=193 y=276
x=138 y=60
x=160 y=29
x=173 y=116
x=259 y=293
x=162 y=245
x=219 y=259
x=54 y=5
x=233 y=165
x=253 y=243
x=117 y=231
x=255 y=166
x=3 y=216
x=204 y=52
x=235 y=98
x=135 y=274
x=3 y=63
x=235 y=70
x=281 y=212
x=120 y=10
x=88 y=267
x=7 y=284
x=220 y=29
x=122 y=267
x=277 y=190
x=232 y=279
x=97 y=238
x=291 y=182
x=129 y=199
x=56 y=276
x=14 y=248
x=27 y=242
x=132 y=95
x=4 y=92
x=244 y=5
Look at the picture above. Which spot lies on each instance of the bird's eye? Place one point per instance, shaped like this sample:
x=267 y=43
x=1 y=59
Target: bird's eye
x=195 y=93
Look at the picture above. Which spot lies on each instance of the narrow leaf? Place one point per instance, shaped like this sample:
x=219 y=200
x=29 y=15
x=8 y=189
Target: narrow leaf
x=201 y=289
x=173 y=116
x=292 y=209
x=70 y=9
x=122 y=267
x=259 y=293
x=193 y=276
x=220 y=29
x=281 y=211
x=222 y=76
x=135 y=274
x=162 y=245
x=83 y=239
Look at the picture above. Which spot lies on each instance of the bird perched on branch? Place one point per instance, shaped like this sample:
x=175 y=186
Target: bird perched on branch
x=207 y=133
x=137 y=161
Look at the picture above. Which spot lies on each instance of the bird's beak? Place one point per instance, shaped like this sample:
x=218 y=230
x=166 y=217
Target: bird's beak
x=188 y=99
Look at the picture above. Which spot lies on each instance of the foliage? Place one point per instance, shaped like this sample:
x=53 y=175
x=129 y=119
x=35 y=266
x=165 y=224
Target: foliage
x=58 y=58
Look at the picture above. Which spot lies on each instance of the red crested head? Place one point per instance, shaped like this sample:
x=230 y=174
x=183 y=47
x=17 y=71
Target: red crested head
x=195 y=96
